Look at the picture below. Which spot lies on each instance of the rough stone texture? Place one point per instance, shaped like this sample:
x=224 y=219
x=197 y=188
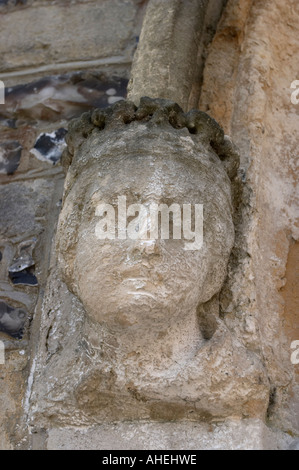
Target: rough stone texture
x=232 y=435
x=104 y=35
x=167 y=54
x=96 y=34
x=24 y=208
x=213 y=14
x=251 y=65
x=157 y=350
x=12 y=390
x=171 y=51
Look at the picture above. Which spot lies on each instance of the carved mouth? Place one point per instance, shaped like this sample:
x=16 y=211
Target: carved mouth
x=138 y=284
x=140 y=293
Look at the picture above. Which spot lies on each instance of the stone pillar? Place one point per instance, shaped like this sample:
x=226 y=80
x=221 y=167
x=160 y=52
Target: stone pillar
x=165 y=62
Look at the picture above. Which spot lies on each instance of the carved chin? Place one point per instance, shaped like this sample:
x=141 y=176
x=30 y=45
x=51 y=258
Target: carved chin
x=135 y=303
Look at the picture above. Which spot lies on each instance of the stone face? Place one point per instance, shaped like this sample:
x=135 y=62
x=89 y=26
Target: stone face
x=142 y=338
x=31 y=188
x=121 y=161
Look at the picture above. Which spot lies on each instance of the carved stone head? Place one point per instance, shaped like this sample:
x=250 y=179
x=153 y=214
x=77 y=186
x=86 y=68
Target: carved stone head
x=152 y=155
x=143 y=338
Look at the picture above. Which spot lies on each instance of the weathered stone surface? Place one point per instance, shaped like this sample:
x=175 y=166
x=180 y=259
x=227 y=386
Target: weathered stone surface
x=171 y=53
x=232 y=435
x=29 y=32
x=10 y=155
x=34 y=113
x=21 y=207
x=12 y=390
x=147 y=341
x=165 y=61
x=248 y=75
x=24 y=223
x=21 y=271
x=12 y=320
x=12 y=3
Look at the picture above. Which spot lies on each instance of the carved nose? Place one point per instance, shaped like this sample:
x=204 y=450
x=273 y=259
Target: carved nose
x=146 y=248
x=151 y=247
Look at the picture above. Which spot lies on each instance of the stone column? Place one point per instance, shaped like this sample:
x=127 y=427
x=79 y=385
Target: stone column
x=165 y=62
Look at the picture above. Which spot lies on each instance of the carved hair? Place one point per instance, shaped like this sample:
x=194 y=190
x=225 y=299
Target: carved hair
x=156 y=112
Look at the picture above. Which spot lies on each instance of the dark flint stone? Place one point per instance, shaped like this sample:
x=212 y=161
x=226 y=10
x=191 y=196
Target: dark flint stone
x=10 y=123
x=73 y=94
x=11 y=152
x=13 y=2
x=12 y=320
x=25 y=278
x=21 y=271
x=60 y=134
x=50 y=146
